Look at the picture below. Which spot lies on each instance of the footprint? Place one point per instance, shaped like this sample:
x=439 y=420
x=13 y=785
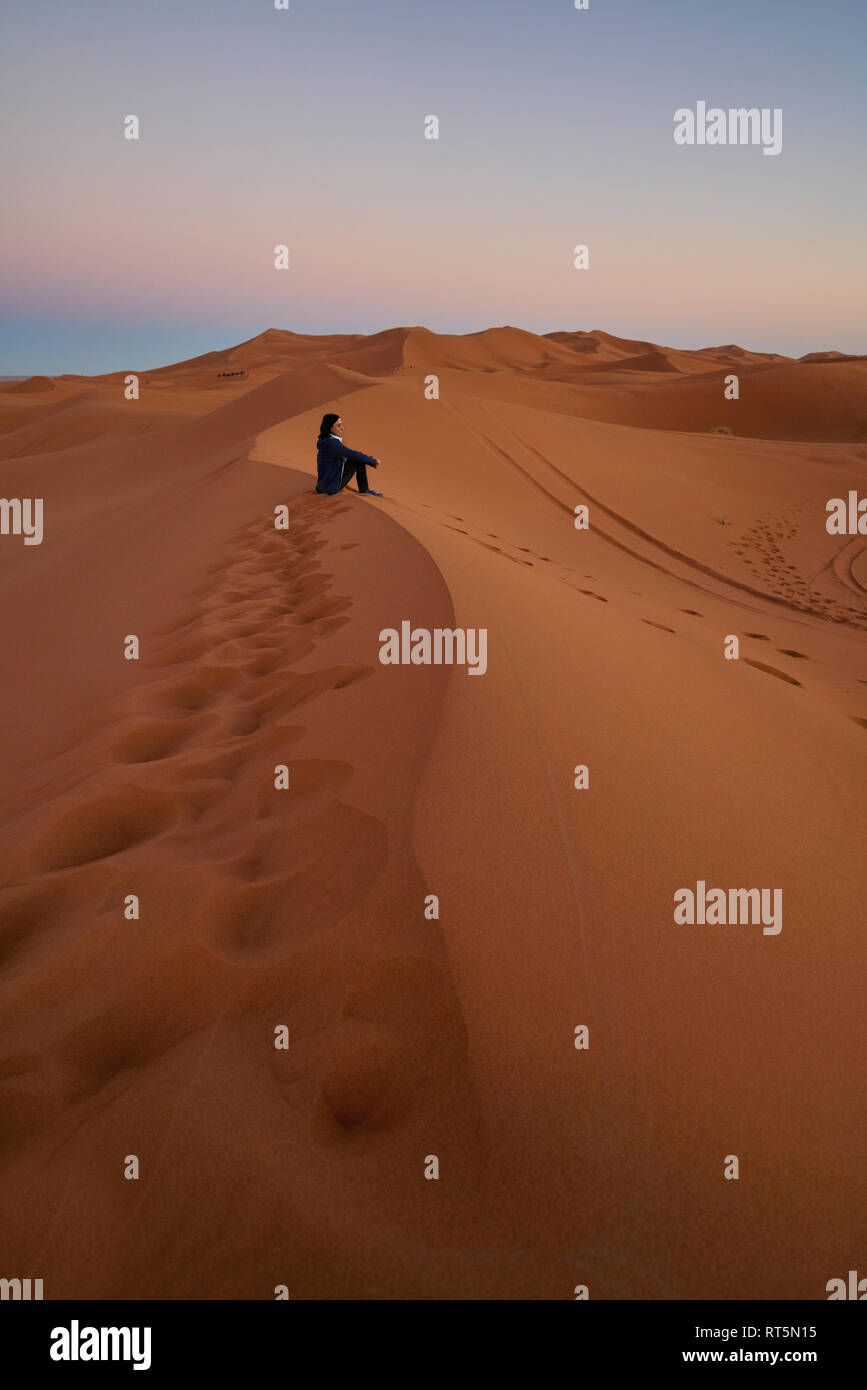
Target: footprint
x=286 y=690
x=308 y=547
x=326 y=867
x=311 y=586
x=785 y=652
x=759 y=636
x=186 y=620
x=361 y=1086
x=661 y=626
x=313 y=782
x=34 y=920
x=693 y=612
x=221 y=763
x=352 y=675
x=260 y=641
x=28 y=1093
x=268 y=661
x=325 y=607
x=189 y=649
x=86 y=829
x=771 y=671
x=401 y=1029
x=152 y=740
x=197 y=691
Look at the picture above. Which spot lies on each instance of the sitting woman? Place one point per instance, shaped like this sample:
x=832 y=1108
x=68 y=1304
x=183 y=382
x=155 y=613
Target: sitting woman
x=335 y=464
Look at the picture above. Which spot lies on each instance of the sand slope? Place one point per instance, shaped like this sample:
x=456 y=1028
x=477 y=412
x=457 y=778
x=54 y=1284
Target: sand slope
x=261 y=907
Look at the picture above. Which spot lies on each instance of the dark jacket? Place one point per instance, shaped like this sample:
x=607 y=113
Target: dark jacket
x=331 y=453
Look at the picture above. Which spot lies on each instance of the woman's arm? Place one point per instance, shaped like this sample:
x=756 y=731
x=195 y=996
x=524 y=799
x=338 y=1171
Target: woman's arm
x=353 y=454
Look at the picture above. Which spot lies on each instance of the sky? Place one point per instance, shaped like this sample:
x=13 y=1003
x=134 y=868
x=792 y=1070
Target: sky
x=306 y=128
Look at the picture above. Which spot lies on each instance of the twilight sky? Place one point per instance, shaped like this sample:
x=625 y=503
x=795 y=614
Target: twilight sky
x=306 y=127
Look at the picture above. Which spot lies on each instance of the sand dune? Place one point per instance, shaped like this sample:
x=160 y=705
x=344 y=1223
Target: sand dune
x=306 y=907
x=605 y=347
x=276 y=348
x=33 y=385
x=798 y=401
x=77 y=421
x=654 y=361
x=831 y=357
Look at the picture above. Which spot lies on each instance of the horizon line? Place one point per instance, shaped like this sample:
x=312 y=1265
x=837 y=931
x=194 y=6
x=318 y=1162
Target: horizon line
x=408 y=328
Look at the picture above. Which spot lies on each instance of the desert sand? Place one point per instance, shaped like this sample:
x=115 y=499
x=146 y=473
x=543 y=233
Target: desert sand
x=412 y=1037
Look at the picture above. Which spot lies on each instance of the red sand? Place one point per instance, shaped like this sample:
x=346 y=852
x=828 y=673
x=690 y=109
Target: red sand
x=411 y=1037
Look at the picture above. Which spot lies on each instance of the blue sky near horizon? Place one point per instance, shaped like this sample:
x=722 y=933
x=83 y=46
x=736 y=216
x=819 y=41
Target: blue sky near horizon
x=306 y=127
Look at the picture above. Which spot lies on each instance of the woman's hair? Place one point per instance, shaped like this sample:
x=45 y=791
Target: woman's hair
x=327 y=422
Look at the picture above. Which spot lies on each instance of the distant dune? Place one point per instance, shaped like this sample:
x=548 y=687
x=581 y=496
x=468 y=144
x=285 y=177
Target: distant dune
x=592 y=374
x=830 y=357
x=414 y=1033
x=26 y=385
